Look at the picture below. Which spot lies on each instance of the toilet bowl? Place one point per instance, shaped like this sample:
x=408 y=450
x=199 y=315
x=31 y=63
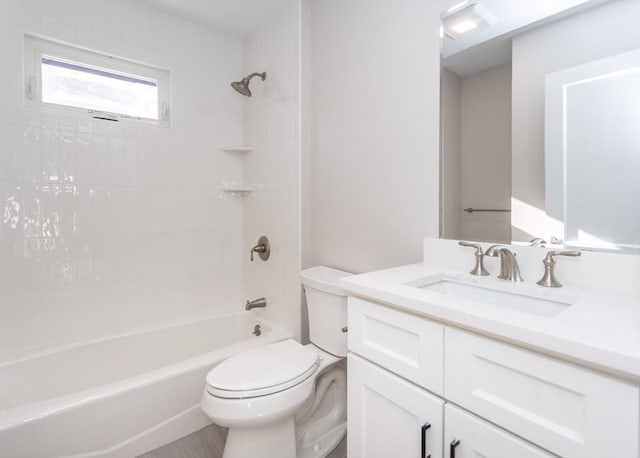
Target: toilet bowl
x=286 y=399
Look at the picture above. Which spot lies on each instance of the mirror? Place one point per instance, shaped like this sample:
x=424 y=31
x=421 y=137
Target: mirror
x=496 y=183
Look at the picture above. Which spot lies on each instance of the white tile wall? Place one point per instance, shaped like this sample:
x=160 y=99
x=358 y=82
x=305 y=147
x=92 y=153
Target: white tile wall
x=272 y=119
x=107 y=227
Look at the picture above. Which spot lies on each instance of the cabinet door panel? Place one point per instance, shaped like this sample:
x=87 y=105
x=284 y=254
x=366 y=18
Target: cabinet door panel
x=386 y=415
x=478 y=439
x=405 y=344
x=563 y=408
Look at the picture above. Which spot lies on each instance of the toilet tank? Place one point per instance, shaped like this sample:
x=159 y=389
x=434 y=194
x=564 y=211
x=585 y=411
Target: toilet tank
x=327 y=307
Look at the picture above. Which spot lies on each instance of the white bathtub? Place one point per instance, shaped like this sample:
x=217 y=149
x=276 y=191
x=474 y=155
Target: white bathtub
x=118 y=397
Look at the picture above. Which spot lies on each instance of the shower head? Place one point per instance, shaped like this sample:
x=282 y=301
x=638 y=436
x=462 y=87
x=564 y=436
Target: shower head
x=242 y=86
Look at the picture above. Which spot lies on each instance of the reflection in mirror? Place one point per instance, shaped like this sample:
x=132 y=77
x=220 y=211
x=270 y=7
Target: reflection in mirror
x=592 y=155
x=493 y=125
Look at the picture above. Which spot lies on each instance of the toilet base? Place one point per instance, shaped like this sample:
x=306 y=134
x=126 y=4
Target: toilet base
x=321 y=426
x=275 y=440
x=324 y=445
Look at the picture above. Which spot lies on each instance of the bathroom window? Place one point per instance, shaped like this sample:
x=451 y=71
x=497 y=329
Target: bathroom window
x=60 y=77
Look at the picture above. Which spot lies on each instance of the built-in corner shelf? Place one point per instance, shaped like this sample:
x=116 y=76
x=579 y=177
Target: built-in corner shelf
x=239 y=191
x=233 y=189
x=237 y=149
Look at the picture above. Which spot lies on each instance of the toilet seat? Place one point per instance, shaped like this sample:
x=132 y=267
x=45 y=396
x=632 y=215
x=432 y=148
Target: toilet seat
x=262 y=371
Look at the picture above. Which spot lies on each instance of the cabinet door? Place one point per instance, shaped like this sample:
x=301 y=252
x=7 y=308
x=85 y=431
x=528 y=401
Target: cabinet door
x=389 y=417
x=405 y=344
x=467 y=436
x=568 y=410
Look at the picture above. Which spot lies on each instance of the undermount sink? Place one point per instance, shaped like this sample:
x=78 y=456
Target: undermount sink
x=521 y=302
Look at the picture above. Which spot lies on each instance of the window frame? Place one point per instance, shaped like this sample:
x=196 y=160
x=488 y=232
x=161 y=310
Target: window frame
x=36 y=47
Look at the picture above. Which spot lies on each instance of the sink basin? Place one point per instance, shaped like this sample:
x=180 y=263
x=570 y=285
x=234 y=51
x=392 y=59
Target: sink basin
x=533 y=304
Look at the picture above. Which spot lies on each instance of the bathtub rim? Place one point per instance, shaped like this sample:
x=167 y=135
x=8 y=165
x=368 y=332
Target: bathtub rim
x=11 y=358
x=15 y=416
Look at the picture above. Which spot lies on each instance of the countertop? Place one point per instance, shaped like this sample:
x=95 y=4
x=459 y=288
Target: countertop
x=600 y=330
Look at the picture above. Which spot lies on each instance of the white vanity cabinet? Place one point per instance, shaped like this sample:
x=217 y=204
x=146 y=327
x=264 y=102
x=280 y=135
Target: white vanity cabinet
x=495 y=399
x=390 y=417
x=467 y=436
x=564 y=408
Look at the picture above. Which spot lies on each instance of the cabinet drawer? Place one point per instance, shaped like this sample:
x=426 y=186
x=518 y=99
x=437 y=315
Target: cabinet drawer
x=388 y=416
x=477 y=438
x=405 y=344
x=565 y=409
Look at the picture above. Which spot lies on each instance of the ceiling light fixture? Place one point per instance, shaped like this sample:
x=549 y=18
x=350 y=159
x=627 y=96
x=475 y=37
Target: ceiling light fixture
x=465 y=20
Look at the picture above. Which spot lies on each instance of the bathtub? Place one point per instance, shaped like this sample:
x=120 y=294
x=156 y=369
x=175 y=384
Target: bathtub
x=121 y=396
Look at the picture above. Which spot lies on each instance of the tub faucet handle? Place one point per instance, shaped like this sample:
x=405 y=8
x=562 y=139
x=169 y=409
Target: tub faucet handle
x=262 y=248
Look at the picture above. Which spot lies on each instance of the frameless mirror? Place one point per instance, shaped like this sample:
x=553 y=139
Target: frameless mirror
x=501 y=179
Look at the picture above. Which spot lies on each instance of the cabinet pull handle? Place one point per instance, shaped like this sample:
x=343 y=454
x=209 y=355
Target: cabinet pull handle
x=423 y=440
x=452 y=448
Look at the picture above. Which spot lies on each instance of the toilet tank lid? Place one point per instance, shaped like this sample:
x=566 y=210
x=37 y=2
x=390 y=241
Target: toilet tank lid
x=324 y=279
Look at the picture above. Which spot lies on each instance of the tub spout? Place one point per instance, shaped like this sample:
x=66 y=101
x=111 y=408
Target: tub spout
x=261 y=302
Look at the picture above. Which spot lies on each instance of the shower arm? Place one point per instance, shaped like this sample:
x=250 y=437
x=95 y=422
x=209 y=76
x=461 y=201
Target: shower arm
x=262 y=75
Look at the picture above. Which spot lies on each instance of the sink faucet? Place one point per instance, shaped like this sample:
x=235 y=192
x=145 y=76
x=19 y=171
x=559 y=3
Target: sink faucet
x=479 y=267
x=261 y=302
x=548 y=279
x=509 y=269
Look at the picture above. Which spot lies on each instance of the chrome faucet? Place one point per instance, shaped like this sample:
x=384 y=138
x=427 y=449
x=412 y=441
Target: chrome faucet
x=509 y=269
x=479 y=267
x=549 y=279
x=256 y=303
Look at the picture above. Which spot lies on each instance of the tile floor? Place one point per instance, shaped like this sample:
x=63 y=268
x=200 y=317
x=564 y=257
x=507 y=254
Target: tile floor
x=209 y=443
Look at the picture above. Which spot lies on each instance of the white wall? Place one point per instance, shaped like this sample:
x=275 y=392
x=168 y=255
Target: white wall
x=486 y=153
x=145 y=236
x=272 y=126
x=374 y=132
x=594 y=34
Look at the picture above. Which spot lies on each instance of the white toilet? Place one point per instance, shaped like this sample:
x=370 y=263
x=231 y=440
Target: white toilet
x=287 y=400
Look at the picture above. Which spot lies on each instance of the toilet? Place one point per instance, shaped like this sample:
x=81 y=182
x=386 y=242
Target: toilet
x=285 y=399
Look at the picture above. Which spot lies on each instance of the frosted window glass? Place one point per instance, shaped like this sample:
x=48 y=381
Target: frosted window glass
x=82 y=86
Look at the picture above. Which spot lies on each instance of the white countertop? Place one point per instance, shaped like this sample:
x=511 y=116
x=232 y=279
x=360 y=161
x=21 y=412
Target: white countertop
x=600 y=329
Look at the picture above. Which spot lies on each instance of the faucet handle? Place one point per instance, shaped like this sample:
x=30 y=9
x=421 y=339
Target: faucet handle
x=553 y=253
x=478 y=269
x=263 y=248
x=549 y=279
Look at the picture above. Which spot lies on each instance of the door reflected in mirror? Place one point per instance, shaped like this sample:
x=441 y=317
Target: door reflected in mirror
x=493 y=131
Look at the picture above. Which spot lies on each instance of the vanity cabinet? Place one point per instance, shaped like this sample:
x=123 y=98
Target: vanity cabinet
x=564 y=408
x=496 y=399
x=468 y=436
x=397 y=341
x=389 y=416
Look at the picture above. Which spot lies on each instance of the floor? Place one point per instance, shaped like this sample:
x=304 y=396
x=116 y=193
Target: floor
x=209 y=443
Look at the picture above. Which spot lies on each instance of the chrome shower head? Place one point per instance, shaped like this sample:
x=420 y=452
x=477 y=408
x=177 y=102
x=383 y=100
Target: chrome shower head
x=242 y=86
